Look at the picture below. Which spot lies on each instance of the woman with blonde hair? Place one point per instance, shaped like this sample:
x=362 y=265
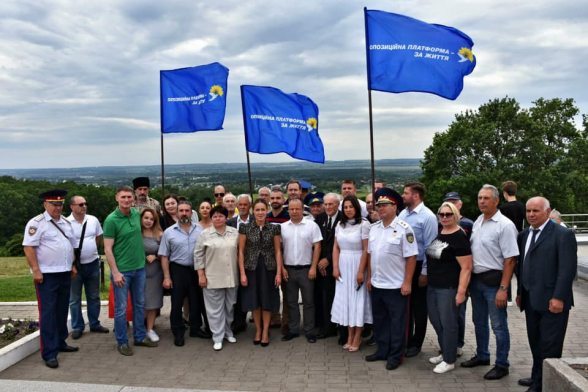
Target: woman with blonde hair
x=449 y=261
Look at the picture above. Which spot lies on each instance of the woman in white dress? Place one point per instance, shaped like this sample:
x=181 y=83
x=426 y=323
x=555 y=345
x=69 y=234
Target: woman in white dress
x=351 y=307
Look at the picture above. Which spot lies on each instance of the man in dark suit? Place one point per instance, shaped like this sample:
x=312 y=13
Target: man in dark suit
x=324 y=291
x=545 y=271
x=243 y=205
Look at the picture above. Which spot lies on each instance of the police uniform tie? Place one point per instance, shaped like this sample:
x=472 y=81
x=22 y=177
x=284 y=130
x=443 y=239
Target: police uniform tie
x=526 y=261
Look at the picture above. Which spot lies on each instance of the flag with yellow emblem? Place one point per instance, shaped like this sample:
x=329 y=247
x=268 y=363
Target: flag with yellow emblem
x=279 y=122
x=193 y=99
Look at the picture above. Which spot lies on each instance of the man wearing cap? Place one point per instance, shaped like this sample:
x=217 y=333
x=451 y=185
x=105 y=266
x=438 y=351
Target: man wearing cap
x=392 y=251
x=466 y=225
x=123 y=246
x=48 y=246
x=324 y=288
x=348 y=188
x=315 y=203
x=89 y=274
x=424 y=223
x=142 y=199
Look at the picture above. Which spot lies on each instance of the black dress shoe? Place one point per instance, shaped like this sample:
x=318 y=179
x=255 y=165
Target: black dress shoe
x=496 y=373
x=392 y=365
x=99 y=329
x=52 y=363
x=289 y=336
x=199 y=334
x=412 y=352
x=373 y=358
x=311 y=338
x=68 y=349
x=475 y=361
x=179 y=341
x=76 y=334
x=526 y=382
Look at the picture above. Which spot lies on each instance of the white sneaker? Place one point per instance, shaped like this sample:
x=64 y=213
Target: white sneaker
x=152 y=336
x=459 y=351
x=218 y=346
x=436 y=360
x=444 y=367
x=230 y=339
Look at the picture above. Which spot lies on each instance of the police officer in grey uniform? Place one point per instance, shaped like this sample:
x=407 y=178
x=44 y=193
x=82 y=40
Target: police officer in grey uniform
x=392 y=251
x=48 y=246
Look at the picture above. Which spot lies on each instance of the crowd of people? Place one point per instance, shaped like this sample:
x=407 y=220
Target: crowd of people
x=382 y=267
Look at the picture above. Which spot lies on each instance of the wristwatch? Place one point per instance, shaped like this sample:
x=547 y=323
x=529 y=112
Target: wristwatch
x=503 y=287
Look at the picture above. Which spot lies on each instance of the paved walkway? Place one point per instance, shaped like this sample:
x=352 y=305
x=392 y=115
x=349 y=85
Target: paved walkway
x=293 y=366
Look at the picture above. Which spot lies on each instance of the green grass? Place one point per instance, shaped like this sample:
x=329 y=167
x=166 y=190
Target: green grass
x=16 y=282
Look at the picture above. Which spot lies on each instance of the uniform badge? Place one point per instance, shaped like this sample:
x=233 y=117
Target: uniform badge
x=394 y=233
x=32 y=230
x=410 y=238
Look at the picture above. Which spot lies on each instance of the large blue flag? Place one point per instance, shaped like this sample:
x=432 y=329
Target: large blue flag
x=278 y=122
x=406 y=54
x=193 y=99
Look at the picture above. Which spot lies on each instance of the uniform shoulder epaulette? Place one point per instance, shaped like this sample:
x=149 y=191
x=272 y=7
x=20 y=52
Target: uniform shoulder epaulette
x=39 y=218
x=403 y=224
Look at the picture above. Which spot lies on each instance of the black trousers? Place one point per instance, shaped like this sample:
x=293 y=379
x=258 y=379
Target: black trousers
x=546 y=332
x=185 y=283
x=53 y=302
x=324 y=294
x=417 y=327
x=390 y=309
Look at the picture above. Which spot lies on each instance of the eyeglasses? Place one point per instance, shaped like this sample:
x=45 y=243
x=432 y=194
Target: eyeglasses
x=445 y=214
x=80 y=204
x=219 y=194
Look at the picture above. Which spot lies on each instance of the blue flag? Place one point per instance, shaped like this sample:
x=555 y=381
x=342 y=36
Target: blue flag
x=193 y=99
x=278 y=122
x=406 y=54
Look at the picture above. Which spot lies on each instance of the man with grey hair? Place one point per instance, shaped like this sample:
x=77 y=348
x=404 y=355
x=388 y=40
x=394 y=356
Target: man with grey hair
x=545 y=274
x=230 y=203
x=494 y=249
x=264 y=194
x=324 y=288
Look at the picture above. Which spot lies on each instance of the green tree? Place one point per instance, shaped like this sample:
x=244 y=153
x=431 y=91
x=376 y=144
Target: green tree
x=540 y=148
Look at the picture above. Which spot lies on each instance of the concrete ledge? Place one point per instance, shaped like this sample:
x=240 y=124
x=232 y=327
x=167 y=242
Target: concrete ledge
x=558 y=376
x=42 y=386
x=22 y=348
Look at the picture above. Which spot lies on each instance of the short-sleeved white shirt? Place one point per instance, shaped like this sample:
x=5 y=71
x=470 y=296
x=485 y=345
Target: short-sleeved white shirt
x=93 y=230
x=54 y=251
x=492 y=242
x=388 y=248
x=298 y=240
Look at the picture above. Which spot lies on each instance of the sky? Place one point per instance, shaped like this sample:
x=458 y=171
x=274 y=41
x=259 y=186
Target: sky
x=79 y=80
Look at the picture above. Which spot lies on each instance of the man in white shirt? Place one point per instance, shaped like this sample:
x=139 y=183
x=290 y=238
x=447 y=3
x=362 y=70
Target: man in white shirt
x=301 y=239
x=88 y=275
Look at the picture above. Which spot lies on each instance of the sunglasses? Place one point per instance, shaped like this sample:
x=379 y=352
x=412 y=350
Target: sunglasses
x=219 y=194
x=80 y=204
x=445 y=214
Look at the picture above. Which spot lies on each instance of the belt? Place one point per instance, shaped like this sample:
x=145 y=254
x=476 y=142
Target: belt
x=298 y=267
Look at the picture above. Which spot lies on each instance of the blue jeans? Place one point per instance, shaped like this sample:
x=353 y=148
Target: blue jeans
x=444 y=316
x=89 y=277
x=135 y=284
x=483 y=307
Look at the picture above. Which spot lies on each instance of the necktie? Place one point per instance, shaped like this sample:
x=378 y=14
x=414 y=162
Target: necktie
x=329 y=224
x=527 y=261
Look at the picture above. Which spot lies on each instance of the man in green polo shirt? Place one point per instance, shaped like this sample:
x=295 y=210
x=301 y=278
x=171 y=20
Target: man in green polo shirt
x=123 y=246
